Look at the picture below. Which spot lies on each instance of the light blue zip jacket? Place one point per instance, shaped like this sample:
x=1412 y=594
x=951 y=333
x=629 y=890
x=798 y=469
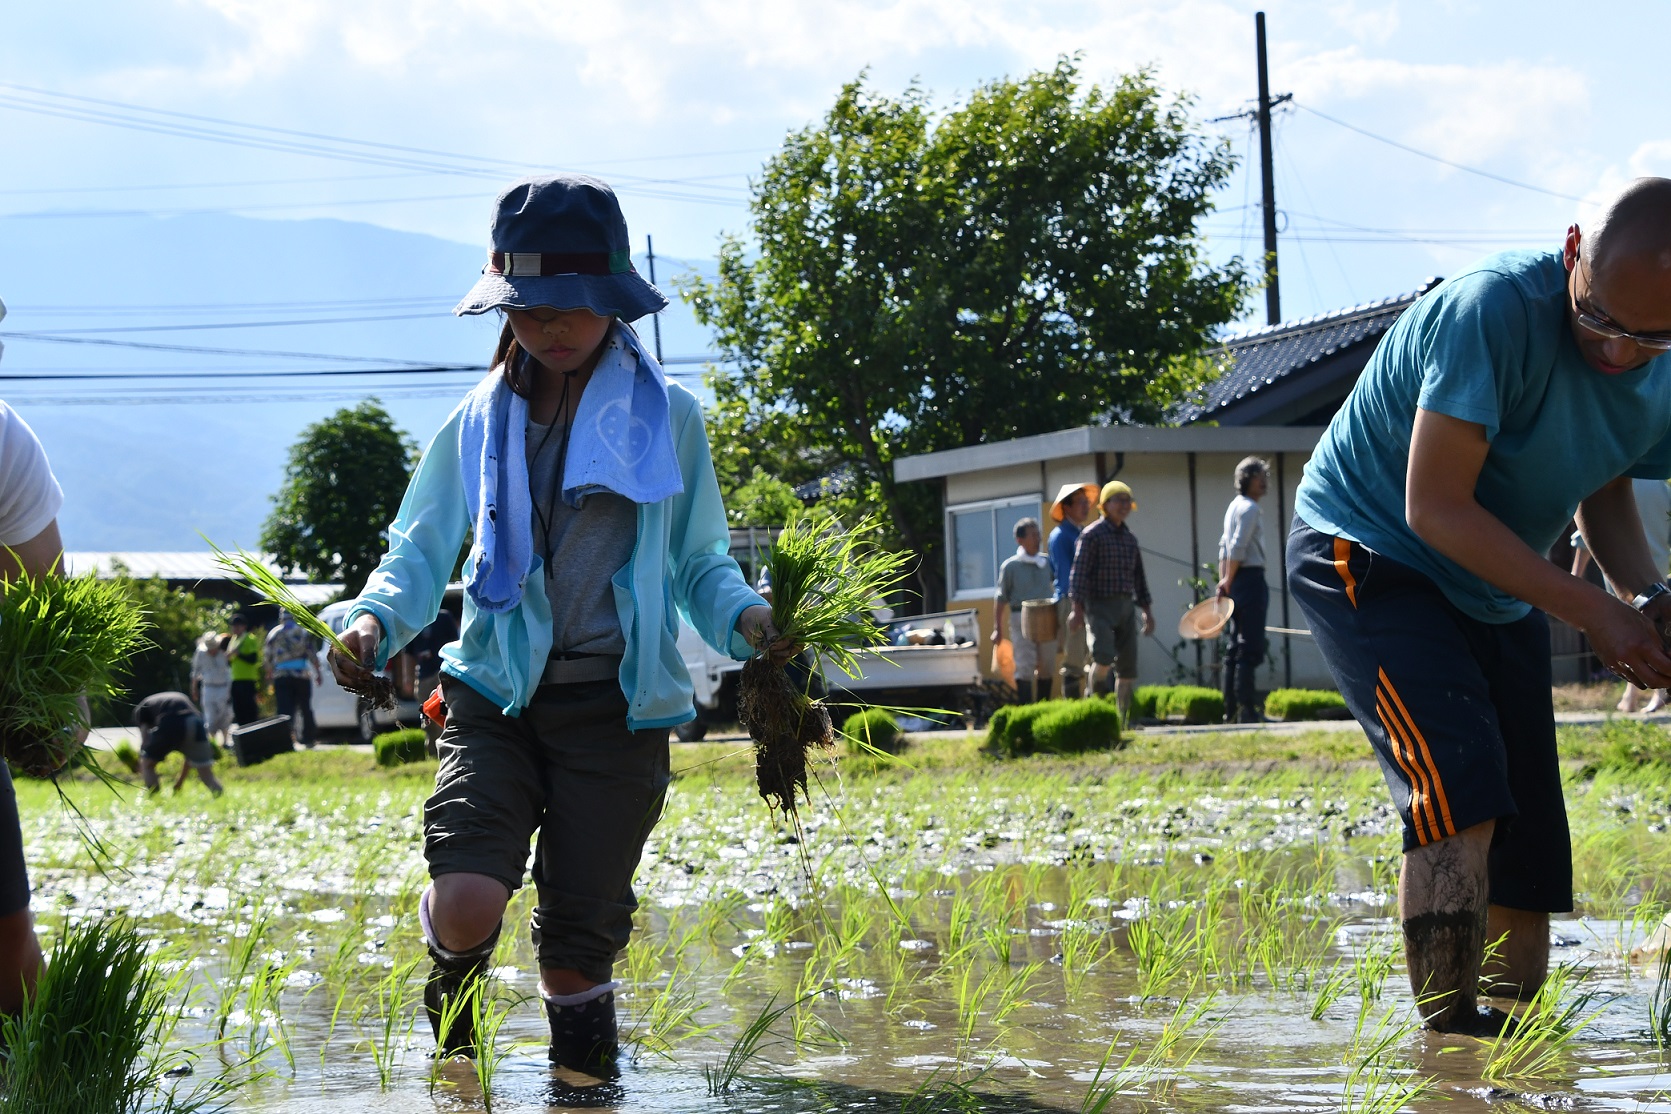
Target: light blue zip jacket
x=680 y=565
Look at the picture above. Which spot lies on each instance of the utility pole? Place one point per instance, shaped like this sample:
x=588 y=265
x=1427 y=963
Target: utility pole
x=1267 y=178
x=650 y=243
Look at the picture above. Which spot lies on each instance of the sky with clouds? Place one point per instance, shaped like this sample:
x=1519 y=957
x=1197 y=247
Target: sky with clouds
x=679 y=102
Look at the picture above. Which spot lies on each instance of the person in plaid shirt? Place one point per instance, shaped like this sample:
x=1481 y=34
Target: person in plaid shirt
x=1109 y=589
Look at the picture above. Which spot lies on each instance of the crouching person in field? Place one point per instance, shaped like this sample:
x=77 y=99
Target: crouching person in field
x=169 y=722
x=586 y=477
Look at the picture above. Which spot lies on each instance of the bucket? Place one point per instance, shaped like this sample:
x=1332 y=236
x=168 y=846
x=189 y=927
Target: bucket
x=1038 y=620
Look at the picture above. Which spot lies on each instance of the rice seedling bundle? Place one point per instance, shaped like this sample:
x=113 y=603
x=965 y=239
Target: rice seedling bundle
x=824 y=584
x=62 y=639
x=258 y=578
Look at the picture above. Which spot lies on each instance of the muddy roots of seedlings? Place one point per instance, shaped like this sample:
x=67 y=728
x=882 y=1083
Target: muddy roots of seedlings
x=37 y=755
x=785 y=724
x=377 y=689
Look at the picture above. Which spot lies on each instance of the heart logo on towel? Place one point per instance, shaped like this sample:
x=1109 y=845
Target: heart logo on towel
x=628 y=437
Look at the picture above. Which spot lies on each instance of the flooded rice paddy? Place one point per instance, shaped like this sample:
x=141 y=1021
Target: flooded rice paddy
x=1054 y=935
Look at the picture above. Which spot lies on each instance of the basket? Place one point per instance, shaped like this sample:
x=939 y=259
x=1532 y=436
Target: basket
x=1038 y=620
x=1206 y=618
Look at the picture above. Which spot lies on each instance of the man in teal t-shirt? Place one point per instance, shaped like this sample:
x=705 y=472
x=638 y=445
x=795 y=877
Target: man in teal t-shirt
x=1522 y=392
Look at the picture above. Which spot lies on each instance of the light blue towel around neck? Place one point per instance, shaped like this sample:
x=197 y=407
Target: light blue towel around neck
x=622 y=439
x=496 y=494
x=622 y=442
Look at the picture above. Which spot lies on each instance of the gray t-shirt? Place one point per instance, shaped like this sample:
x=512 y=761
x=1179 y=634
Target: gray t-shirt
x=582 y=550
x=1244 y=534
x=1022 y=578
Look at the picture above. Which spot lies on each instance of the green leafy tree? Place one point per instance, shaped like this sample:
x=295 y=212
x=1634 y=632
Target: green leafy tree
x=1024 y=262
x=174 y=621
x=341 y=490
x=762 y=500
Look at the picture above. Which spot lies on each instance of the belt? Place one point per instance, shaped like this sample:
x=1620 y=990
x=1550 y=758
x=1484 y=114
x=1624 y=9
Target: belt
x=571 y=668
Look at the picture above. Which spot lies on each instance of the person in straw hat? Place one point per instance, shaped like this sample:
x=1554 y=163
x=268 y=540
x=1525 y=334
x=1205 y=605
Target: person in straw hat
x=1070 y=512
x=1241 y=578
x=1109 y=589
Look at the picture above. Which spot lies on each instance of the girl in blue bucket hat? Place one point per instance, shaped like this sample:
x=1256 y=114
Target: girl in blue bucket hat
x=584 y=480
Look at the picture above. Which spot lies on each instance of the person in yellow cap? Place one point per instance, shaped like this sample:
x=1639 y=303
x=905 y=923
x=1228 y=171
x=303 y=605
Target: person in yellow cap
x=1071 y=511
x=1108 y=589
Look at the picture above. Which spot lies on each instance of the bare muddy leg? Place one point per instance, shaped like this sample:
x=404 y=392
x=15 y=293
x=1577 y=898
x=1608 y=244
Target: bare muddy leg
x=1522 y=959
x=1442 y=901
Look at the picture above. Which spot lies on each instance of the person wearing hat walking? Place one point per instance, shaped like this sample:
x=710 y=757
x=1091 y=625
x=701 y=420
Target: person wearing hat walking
x=586 y=478
x=1109 y=589
x=1070 y=512
x=1241 y=578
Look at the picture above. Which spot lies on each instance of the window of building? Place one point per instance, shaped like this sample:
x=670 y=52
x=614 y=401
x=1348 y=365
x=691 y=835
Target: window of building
x=980 y=537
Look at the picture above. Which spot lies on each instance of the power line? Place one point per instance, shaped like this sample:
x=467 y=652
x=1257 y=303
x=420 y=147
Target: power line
x=47 y=338
x=360 y=320
x=316 y=144
x=86 y=309
x=206 y=185
x=1438 y=158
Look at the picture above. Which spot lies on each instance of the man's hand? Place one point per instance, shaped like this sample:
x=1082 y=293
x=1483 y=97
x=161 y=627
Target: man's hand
x=362 y=639
x=1222 y=588
x=756 y=626
x=1629 y=643
x=1148 y=621
x=998 y=622
x=1076 y=615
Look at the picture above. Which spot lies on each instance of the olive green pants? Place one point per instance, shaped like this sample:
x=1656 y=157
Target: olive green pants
x=569 y=769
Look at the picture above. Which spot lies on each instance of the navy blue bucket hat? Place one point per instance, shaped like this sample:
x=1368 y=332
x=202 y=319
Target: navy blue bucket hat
x=561 y=241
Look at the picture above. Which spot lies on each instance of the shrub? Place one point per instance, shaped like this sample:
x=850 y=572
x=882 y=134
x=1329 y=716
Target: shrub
x=127 y=754
x=1297 y=704
x=1194 y=703
x=1146 y=701
x=1010 y=733
x=1070 y=726
x=873 y=728
x=395 y=748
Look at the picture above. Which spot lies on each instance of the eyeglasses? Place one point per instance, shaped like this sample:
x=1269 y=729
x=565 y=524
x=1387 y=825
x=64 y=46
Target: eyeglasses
x=1602 y=327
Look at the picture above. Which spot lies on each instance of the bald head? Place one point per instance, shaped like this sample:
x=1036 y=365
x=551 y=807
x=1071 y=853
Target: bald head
x=1635 y=225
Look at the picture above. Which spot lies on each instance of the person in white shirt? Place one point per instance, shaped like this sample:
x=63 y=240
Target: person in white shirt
x=1241 y=573
x=29 y=543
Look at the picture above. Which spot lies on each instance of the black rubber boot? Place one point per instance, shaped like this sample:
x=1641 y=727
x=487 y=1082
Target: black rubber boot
x=450 y=978
x=584 y=1038
x=1070 y=687
x=1024 y=692
x=1044 y=689
x=1249 y=714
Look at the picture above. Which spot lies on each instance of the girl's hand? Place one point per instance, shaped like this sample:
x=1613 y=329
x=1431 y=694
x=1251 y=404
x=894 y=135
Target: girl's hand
x=756 y=626
x=362 y=638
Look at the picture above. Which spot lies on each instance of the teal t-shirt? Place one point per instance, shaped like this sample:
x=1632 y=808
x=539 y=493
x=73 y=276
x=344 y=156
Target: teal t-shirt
x=1492 y=345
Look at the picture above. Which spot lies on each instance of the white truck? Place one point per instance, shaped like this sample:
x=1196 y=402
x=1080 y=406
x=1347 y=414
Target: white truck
x=927 y=662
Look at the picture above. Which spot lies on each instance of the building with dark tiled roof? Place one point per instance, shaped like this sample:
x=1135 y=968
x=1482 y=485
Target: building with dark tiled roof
x=1298 y=372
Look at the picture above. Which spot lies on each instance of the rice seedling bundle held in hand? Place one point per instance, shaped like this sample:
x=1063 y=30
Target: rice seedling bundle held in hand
x=62 y=638
x=254 y=574
x=824 y=583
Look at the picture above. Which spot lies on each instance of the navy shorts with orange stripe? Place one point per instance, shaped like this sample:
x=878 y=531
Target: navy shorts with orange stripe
x=1459 y=711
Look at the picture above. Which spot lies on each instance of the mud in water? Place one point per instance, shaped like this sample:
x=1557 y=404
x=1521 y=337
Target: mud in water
x=994 y=939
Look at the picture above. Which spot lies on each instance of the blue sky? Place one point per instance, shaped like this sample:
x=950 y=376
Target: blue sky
x=680 y=101
x=678 y=104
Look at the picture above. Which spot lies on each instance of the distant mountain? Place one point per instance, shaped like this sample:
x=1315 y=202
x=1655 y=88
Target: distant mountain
x=148 y=463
